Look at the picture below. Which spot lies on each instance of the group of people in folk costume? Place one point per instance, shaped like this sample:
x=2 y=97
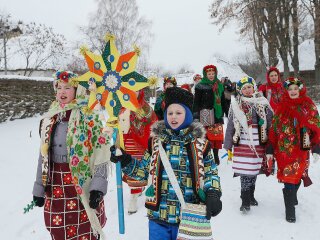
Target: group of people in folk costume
x=279 y=123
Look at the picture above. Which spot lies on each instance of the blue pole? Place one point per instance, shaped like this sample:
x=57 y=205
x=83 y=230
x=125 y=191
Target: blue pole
x=119 y=190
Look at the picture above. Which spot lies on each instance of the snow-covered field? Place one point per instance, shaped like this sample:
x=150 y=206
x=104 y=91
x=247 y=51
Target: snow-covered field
x=19 y=144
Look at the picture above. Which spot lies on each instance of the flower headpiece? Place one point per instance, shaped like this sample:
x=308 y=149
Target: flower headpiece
x=64 y=76
x=170 y=79
x=244 y=81
x=292 y=80
x=196 y=77
x=209 y=68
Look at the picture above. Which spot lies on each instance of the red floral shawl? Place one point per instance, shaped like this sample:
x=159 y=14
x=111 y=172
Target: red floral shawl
x=293 y=118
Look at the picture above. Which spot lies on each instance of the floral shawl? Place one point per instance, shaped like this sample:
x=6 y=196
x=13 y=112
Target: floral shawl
x=87 y=147
x=295 y=128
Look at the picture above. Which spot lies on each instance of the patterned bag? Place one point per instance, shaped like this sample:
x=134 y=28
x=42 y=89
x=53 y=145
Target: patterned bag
x=207 y=117
x=193 y=222
x=215 y=132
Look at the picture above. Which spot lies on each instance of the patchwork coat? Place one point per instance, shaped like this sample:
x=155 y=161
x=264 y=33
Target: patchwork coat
x=192 y=162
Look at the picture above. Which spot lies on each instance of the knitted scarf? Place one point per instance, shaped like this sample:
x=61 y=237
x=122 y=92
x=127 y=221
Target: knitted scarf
x=217 y=88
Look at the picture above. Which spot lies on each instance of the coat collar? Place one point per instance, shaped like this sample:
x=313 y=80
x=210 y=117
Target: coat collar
x=195 y=130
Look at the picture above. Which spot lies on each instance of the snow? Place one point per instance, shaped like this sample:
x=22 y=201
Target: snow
x=307 y=57
x=225 y=69
x=228 y=69
x=19 y=77
x=19 y=151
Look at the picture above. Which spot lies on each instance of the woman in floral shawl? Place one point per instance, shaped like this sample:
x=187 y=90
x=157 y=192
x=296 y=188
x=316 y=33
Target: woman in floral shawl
x=73 y=165
x=295 y=130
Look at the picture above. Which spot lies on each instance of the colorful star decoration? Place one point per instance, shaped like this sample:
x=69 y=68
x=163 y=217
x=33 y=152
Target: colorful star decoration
x=112 y=79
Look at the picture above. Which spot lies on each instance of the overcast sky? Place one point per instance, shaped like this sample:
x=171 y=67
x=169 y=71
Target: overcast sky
x=182 y=30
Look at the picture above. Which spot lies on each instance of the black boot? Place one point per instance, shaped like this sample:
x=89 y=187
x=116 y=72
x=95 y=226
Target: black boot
x=216 y=156
x=245 y=196
x=289 y=200
x=295 y=196
x=253 y=201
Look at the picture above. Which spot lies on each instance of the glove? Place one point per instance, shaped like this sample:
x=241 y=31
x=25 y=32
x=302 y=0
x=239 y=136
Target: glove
x=95 y=198
x=316 y=157
x=270 y=162
x=124 y=158
x=213 y=203
x=39 y=201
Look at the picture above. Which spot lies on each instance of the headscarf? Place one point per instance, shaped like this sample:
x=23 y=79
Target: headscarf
x=217 y=88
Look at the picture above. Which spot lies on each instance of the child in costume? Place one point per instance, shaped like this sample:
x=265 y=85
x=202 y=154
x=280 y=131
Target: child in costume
x=273 y=89
x=136 y=128
x=295 y=131
x=73 y=163
x=209 y=106
x=189 y=154
x=168 y=82
x=249 y=119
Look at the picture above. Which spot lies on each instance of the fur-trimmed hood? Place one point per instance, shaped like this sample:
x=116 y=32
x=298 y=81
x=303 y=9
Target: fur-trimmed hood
x=196 y=129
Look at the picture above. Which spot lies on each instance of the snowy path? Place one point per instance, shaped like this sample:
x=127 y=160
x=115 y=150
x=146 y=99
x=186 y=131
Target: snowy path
x=18 y=166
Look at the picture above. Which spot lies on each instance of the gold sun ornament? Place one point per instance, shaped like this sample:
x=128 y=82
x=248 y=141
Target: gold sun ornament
x=153 y=81
x=112 y=79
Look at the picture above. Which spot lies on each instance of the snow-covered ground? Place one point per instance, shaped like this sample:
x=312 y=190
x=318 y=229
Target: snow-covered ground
x=19 y=77
x=19 y=149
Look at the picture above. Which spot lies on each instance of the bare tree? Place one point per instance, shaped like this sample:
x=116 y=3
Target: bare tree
x=8 y=30
x=273 y=25
x=120 y=18
x=295 y=38
x=39 y=46
x=313 y=7
x=250 y=64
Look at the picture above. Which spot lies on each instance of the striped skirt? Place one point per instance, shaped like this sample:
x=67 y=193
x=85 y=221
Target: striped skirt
x=64 y=214
x=246 y=161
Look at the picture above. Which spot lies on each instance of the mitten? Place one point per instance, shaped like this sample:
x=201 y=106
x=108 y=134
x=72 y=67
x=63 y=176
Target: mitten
x=270 y=163
x=95 y=198
x=230 y=155
x=124 y=158
x=39 y=201
x=213 y=203
x=316 y=157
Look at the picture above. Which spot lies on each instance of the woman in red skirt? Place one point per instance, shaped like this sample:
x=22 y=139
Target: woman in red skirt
x=73 y=165
x=250 y=118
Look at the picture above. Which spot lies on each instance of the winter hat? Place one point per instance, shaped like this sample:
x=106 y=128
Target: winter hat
x=179 y=96
x=244 y=81
x=209 y=68
x=197 y=77
x=293 y=81
x=64 y=76
x=170 y=79
x=187 y=120
x=186 y=87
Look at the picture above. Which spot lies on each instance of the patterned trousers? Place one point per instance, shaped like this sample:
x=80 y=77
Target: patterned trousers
x=247 y=182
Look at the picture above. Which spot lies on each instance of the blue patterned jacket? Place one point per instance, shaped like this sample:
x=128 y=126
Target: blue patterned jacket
x=192 y=162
